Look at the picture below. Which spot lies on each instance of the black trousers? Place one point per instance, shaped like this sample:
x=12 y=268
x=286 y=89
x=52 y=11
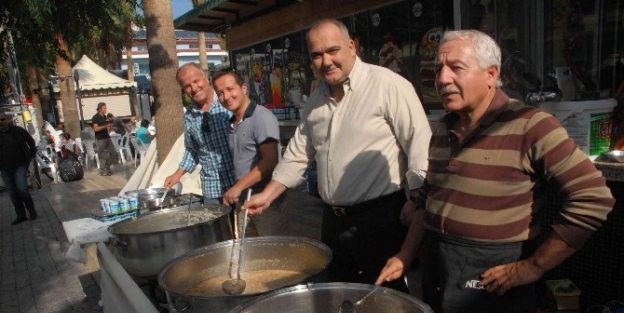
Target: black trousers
x=362 y=243
x=453 y=268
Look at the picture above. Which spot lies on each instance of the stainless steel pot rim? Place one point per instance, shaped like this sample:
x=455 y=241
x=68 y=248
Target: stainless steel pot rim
x=145 y=194
x=111 y=229
x=303 y=288
x=272 y=239
x=150 y=191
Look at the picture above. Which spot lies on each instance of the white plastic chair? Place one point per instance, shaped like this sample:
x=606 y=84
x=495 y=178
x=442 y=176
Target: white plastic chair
x=124 y=145
x=116 y=139
x=140 y=148
x=78 y=142
x=89 y=147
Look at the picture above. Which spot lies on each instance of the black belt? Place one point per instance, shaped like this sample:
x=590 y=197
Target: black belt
x=368 y=204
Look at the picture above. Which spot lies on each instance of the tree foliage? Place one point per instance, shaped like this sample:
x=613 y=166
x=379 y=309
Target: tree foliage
x=91 y=27
x=54 y=34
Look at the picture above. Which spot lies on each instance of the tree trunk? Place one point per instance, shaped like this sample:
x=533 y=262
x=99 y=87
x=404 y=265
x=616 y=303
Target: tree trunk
x=33 y=85
x=163 y=62
x=133 y=95
x=201 y=43
x=203 y=59
x=71 y=119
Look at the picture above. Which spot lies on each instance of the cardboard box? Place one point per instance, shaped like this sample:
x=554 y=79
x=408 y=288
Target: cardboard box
x=565 y=293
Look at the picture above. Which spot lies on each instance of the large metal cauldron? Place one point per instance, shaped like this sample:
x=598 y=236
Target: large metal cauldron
x=193 y=281
x=322 y=298
x=145 y=244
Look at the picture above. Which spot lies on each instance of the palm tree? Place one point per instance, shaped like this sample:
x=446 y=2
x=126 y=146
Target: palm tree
x=201 y=42
x=163 y=62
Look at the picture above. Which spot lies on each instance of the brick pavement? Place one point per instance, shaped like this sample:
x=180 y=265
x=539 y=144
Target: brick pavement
x=35 y=275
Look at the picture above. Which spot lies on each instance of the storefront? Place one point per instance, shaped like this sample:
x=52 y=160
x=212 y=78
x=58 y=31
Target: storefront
x=574 y=41
x=572 y=48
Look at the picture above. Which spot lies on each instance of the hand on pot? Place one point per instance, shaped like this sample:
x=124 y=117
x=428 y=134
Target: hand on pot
x=260 y=202
x=231 y=196
x=257 y=204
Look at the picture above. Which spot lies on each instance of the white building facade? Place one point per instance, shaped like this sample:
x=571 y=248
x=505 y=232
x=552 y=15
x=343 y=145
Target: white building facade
x=187 y=51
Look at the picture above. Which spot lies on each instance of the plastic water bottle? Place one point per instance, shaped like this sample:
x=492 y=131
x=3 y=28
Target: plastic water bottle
x=123 y=204
x=133 y=203
x=114 y=205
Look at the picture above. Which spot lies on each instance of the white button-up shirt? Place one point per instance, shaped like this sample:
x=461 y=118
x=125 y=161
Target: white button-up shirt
x=371 y=143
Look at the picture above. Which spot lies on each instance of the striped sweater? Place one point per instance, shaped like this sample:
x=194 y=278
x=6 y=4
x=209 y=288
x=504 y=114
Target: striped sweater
x=489 y=187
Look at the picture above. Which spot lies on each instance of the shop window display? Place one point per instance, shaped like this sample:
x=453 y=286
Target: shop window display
x=390 y=36
x=571 y=45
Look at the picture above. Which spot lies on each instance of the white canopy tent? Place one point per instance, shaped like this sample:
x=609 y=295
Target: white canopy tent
x=98 y=85
x=93 y=77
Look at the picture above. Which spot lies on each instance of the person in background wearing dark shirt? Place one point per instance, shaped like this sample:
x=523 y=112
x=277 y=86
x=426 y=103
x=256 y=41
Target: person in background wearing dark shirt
x=17 y=149
x=118 y=124
x=103 y=141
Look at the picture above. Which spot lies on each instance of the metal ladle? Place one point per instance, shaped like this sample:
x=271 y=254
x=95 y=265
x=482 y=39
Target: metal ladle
x=188 y=215
x=348 y=307
x=236 y=286
x=162 y=199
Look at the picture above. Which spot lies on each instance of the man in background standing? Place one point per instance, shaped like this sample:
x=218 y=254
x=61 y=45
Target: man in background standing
x=105 y=146
x=17 y=149
x=254 y=141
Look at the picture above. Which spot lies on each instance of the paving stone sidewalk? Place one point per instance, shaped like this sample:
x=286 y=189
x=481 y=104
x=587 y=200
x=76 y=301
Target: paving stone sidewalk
x=35 y=275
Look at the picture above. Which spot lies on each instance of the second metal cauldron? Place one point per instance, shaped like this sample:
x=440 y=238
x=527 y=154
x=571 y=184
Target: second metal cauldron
x=193 y=281
x=145 y=244
x=327 y=297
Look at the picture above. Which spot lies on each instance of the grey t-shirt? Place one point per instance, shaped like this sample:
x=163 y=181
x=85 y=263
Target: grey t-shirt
x=258 y=126
x=87 y=134
x=119 y=125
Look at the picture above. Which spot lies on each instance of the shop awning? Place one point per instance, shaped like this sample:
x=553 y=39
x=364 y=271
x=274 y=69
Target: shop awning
x=215 y=16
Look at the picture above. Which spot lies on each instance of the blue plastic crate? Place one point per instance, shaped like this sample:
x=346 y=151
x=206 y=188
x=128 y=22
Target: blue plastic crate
x=114 y=217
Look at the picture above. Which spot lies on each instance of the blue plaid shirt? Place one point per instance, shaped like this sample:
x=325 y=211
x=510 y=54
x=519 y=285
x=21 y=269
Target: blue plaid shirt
x=210 y=149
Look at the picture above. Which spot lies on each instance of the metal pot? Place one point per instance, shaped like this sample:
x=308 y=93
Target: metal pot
x=327 y=297
x=157 y=204
x=145 y=244
x=151 y=193
x=192 y=282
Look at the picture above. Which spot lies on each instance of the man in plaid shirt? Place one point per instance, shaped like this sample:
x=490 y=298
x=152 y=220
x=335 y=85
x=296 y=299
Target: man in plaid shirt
x=206 y=125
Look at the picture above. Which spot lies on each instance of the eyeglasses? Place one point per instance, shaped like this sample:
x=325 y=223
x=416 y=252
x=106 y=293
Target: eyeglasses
x=205 y=125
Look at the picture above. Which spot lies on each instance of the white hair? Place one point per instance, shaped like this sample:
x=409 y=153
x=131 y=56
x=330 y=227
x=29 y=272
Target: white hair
x=486 y=50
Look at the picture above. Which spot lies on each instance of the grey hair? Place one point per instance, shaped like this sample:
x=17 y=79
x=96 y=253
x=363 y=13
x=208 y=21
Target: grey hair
x=191 y=64
x=486 y=50
x=343 y=28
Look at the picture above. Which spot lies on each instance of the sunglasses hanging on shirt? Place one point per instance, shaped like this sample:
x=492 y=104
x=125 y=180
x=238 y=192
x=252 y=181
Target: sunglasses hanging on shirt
x=205 y=122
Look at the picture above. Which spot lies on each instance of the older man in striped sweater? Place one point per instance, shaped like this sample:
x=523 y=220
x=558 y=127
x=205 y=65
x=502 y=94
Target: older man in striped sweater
x=490 y=158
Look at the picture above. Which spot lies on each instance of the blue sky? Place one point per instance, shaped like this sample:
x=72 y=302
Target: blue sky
x=180 y=7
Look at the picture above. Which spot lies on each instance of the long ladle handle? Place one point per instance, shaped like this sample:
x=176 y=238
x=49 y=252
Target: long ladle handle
x=188 y=215
x=242 y=238
x=367 y=295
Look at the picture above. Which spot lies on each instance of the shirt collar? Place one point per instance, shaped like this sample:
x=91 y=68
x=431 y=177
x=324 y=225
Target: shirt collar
x=196 y=109
x=248 y=112
x=353 y=79
x=496 y=108
x=355 y=76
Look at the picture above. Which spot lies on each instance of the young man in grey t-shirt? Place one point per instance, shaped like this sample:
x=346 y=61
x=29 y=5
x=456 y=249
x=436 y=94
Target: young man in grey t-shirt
x=254 y=142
